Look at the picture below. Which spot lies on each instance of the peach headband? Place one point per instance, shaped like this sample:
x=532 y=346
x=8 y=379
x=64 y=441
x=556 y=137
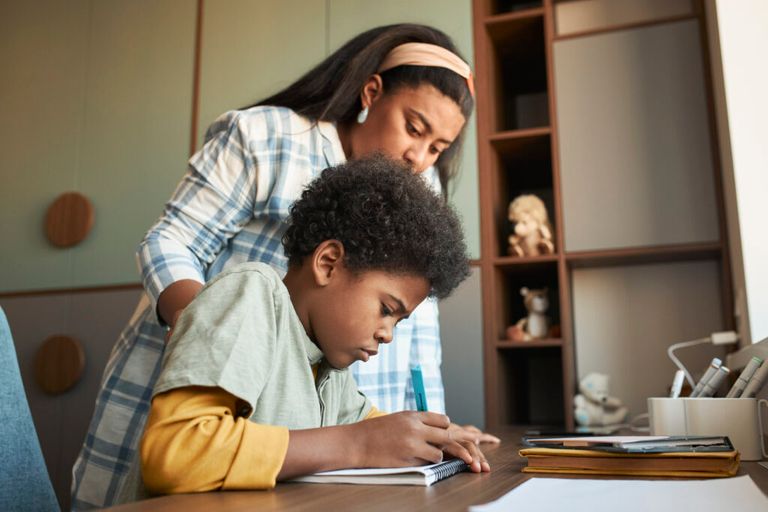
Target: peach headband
x=424 y=54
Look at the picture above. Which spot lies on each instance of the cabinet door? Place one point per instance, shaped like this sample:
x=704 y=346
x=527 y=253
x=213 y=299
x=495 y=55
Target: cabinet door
x=98 y=101
x=41 y=94
x=253 y=49
x=635 y=154
x=135 y=127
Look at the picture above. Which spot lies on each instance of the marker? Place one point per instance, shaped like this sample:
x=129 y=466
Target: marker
x=677 y=384
x=418 y=388
x=756 y=382
x=713 y=366
x=744 y=377
x=711 y=386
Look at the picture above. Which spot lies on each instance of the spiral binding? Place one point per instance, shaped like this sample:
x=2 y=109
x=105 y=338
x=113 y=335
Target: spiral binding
x=448 y=468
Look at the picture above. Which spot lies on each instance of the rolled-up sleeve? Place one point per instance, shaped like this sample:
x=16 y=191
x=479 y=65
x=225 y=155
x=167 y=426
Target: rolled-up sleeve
x=214 y=200
x=195 y=441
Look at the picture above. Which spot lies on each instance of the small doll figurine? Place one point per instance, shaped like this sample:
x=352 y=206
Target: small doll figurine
x=532 y=235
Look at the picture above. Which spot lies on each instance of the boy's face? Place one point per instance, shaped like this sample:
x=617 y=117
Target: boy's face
x=355 y=312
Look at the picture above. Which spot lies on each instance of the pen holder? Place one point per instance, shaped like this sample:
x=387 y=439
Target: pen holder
x=737 y=418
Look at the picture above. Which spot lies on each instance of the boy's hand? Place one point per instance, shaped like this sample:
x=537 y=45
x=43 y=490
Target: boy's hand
x=471 y=433
x=412 y=439
x=479 y=464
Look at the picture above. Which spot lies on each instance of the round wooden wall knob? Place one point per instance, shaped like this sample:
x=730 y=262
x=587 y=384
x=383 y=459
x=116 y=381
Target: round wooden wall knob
x=59 y=364
x=69 y=219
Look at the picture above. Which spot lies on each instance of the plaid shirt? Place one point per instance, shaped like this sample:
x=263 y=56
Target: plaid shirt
x=230 y=208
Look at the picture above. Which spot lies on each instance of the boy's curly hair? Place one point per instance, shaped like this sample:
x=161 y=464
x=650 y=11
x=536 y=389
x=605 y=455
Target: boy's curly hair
x=386 y=217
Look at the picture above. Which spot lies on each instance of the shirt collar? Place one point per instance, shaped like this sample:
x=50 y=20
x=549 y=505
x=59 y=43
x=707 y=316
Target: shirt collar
x=332 y=149
x=314 y=354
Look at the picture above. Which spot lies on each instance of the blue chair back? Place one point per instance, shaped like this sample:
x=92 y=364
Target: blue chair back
x=24 y=481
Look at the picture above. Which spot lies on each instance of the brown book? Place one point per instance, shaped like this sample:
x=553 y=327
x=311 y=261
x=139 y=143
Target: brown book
x=598 y=462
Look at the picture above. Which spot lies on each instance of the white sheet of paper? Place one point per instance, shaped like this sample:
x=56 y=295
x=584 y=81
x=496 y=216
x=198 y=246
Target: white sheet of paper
x=575 y=495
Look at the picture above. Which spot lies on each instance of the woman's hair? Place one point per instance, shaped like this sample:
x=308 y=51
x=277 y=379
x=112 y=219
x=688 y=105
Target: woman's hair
x=331 y=90
x=386 y=217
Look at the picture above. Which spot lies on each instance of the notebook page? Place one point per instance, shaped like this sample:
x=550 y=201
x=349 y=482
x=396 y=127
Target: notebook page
x=424 y=470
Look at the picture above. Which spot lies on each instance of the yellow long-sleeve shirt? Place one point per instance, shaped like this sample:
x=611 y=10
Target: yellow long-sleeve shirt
x=195 y=441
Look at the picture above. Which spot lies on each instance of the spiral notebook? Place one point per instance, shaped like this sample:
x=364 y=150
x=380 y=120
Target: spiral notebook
x=414 y=475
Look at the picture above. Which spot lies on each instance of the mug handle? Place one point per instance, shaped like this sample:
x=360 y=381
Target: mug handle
x=760 y=403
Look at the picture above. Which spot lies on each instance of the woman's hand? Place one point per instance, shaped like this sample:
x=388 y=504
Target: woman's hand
x=174 y=299
x=175 y=319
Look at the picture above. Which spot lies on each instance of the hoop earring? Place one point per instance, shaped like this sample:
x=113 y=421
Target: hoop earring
x=362 y=116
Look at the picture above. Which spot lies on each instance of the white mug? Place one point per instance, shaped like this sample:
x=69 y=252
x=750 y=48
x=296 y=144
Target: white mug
x=737 y=418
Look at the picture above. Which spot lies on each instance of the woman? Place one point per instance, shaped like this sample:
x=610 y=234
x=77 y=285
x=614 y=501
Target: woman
x=379 y=92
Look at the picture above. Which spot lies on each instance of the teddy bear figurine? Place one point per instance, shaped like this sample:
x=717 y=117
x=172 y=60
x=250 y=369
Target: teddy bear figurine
x=535 y=326
x=593 y=406
x=532 y=232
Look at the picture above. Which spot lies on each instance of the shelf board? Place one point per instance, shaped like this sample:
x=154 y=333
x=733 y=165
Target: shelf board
x=626 y=26
x=525 y=133
x=511 y=261
x=528 y=144
x=644 y=255
x=513 y=16
x=515 y=345
x=512 y=27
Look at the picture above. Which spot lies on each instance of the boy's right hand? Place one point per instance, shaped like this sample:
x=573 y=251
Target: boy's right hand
x=411 y=439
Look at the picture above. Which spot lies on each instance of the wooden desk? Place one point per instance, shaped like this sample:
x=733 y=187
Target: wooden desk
x=455 y=493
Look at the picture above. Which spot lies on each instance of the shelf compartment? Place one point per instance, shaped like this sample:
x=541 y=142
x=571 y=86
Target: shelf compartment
x=524 y=163
x=644 y=255
x=520 y=86
x=510 y=306
x=531 y=386
x=512 y=27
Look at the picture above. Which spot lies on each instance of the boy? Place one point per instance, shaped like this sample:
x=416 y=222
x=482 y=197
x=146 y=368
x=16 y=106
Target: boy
x=254 y=387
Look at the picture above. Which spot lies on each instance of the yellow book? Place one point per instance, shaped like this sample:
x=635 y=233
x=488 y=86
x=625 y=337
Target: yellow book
x=636 y=456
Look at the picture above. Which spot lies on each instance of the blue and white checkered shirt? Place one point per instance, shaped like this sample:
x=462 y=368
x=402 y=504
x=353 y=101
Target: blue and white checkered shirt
x=230 y=208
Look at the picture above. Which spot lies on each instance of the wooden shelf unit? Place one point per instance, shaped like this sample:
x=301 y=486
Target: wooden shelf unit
x=517 y=130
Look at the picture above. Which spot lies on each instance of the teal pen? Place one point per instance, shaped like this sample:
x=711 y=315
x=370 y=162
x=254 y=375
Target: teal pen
x=417 y=380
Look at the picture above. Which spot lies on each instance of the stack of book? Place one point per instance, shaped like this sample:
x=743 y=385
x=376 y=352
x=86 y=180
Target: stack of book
x=649 y=456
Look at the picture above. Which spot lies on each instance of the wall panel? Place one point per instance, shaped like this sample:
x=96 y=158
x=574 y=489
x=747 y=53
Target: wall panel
x=626 y=317
x=635 y=155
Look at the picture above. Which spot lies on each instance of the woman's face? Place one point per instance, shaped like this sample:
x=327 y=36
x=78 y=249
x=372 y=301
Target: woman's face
x=410 y=124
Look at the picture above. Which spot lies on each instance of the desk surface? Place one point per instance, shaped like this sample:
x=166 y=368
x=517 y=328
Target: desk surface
x=455 y=493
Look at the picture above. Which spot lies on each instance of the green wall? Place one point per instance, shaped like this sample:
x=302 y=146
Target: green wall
x=97 y=98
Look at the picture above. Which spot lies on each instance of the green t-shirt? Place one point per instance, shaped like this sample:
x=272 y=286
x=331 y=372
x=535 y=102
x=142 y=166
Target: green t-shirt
x=242 y=334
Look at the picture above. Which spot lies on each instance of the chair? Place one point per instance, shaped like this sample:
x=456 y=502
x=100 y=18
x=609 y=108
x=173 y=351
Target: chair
x=24 y=481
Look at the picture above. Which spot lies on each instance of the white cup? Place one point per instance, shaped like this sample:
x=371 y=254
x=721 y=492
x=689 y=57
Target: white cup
x=737 y=418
